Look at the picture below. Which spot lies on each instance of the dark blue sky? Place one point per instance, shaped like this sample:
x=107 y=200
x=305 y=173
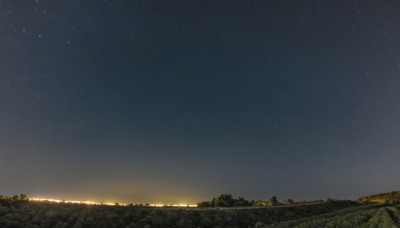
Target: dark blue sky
x=179 y=101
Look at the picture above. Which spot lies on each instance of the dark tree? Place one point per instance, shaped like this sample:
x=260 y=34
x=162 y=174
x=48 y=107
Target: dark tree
x=23 y=197
x=204 y=204
x=225 y=200
x=290 y=201
x=274 y=201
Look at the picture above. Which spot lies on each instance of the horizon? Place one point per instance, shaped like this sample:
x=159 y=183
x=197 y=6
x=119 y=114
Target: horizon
x=156 y=101
x=92 y=201
x=108 y=203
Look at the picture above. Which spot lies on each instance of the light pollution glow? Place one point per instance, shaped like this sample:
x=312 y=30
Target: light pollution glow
x=107 y=203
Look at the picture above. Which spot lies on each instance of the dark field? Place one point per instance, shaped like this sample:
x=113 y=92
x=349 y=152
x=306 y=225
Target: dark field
x=20 y=213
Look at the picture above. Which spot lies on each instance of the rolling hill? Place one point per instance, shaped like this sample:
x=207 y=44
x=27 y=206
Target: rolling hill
x=389 y=197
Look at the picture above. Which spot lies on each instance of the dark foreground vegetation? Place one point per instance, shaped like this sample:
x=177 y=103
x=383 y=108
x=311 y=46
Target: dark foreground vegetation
x=223 y=211
x=368 y=216
x=24 y=213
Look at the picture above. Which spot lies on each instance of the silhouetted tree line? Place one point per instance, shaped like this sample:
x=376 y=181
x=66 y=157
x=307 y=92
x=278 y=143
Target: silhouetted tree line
x=15 y=197
x=226 y=200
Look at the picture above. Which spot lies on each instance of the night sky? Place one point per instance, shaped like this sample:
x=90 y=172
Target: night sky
x=180 y=101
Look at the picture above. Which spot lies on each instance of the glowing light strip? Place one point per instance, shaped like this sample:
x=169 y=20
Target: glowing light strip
x=108 y=204
x=173 y=205
x=71 y=201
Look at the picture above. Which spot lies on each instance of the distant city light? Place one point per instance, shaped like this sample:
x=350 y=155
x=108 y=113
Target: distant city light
x=108 y=204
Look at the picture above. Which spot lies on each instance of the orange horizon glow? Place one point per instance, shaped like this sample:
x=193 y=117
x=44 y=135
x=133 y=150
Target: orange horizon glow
x=38 y=199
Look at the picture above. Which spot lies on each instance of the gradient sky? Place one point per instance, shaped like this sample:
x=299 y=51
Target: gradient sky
x=180 y=101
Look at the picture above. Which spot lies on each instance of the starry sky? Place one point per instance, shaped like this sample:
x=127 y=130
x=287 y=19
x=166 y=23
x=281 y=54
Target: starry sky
x=179 y=101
